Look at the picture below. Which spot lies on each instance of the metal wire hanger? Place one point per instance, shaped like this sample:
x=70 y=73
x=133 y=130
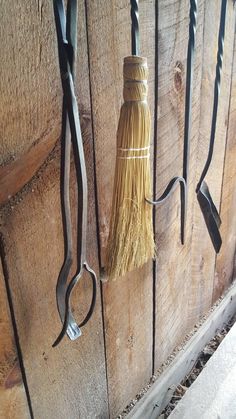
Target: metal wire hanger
x=66 y=29
x=208 y=208
x=182 y=180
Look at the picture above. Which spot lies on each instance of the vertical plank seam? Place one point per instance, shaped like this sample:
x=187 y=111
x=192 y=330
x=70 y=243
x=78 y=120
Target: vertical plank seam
x=96 y=200
x=14 y=324
x=226 y=142
x=154 y=185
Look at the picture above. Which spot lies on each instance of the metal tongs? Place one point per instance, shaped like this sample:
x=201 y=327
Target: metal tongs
x=66 y=28
x=208 y=208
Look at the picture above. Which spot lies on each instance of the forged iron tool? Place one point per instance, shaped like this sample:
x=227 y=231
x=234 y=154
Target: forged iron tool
x=66 y=29
x=134 y=27
x=208 y=208
x=182 y=180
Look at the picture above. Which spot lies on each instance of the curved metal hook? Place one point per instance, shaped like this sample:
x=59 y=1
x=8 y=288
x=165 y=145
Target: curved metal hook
x=182 y=180
x=70 y=326
x=183 y=195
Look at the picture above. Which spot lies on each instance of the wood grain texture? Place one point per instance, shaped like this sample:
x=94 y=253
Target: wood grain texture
x=203 y=254
x=173 y=271
x=70 y=380
x=14 y=176
x=13 y=401
x=128 y=302
x=30 y=108
x=225 y=261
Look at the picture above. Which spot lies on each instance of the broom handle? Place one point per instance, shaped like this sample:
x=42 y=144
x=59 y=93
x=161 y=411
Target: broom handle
x=134 y=27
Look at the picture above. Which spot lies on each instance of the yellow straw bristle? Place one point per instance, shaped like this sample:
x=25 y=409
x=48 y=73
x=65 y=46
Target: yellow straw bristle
x=131 y=241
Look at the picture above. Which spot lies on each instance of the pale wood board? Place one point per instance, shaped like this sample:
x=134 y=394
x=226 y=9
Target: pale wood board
x=127 y=302
x=203 y=254
x=173 y=265
x=154 y=401
x=225 y=261
x=70 y=380
x=13 y=401
x=30 y=93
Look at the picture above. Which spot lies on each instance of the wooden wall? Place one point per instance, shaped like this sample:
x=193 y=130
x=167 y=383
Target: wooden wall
x=139 y=320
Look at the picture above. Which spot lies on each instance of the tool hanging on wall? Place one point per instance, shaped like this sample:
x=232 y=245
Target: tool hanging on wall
x=66 y=28
x=208 y=208
x=182 y=180
x=131 y=239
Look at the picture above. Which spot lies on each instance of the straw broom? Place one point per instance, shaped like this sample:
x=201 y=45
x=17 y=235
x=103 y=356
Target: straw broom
x=131 y=241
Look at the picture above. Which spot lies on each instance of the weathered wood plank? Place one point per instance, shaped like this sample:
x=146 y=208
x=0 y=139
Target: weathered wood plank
x=70 y=380
x=225 y=261
x=128 y=302
x=173 y=272
x=154 y=401
x=30 y=108
x=13 y=401
x=203 y=255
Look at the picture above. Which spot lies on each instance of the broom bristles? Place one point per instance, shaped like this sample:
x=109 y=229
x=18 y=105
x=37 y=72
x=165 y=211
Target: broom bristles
x=131 y=241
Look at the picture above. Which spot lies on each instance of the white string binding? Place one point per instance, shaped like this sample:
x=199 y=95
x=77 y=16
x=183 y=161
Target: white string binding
x=134 y=157
x=134 y=149
x=136 y=100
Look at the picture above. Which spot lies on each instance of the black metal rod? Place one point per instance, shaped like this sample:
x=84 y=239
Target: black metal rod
x=188 y=102
x=216 y=91
x=189 y=87
x=134 y=27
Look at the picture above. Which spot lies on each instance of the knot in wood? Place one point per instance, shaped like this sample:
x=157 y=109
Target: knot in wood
x=178 y=81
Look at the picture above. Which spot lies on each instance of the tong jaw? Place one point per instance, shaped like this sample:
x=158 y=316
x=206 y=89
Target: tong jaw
x=70 y=326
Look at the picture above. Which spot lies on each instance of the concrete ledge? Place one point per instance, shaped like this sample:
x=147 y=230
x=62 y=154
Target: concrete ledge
x=213 y=394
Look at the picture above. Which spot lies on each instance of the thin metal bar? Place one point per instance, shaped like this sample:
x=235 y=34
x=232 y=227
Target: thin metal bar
x=216 y=91
x=208 y=208
x=134 y=27
x=188 y=106
x=189 y=89
x=182 y=180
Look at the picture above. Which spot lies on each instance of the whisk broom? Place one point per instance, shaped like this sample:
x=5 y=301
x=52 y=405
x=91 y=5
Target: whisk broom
x=131 y=241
